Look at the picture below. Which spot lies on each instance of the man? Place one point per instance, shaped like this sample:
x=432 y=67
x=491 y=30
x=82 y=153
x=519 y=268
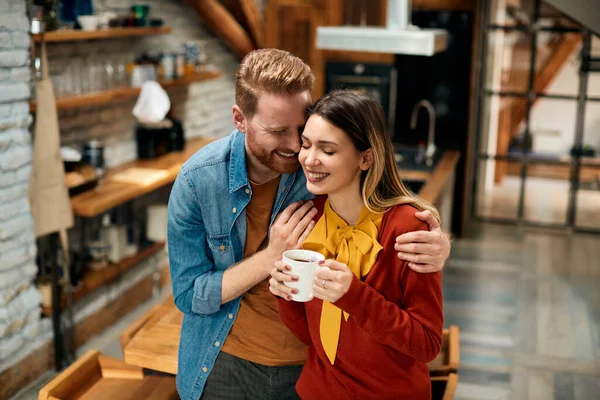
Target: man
x=235 y=207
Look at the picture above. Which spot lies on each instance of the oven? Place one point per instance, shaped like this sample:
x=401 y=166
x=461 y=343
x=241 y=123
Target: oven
x=377 y=80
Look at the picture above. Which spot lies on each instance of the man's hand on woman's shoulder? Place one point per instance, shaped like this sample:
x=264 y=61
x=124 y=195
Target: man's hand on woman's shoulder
x=425 y=251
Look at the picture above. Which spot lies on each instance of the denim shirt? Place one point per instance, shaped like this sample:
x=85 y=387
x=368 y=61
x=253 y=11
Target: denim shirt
x=207 y=235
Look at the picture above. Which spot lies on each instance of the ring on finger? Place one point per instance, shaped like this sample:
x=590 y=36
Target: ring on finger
x=323 y=283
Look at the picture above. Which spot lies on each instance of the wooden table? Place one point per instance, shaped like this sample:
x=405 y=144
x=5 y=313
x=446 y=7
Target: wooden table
x=152 y=341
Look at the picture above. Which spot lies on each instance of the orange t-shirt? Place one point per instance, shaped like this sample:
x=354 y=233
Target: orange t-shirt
x=258 y=335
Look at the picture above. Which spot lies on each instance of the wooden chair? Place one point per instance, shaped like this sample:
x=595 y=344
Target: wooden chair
x=449 y=358
x=97 y=377
x=148 y=316
x=443 y=387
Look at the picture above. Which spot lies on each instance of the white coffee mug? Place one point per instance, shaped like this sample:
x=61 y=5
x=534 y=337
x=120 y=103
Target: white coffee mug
x=303 y=263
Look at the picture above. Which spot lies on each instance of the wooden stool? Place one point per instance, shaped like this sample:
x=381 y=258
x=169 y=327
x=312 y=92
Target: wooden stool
x=97 y=377
x=443 y=387
x=449 y=358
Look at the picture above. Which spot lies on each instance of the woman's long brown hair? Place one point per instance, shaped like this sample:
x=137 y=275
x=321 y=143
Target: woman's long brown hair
x=362 y=119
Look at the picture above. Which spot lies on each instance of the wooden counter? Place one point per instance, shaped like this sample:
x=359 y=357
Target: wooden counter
x=440 y=177
x=109 y=193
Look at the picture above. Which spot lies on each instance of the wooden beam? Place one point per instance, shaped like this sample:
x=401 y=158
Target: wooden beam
x=222 y=23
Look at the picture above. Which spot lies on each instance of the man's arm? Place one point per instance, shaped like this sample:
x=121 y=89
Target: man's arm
x=197 y=286
x=196 y=283
x=289 y=230
x=425 y=251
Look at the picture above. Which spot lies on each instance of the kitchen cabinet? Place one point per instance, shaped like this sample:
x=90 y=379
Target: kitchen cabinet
x=292 y=26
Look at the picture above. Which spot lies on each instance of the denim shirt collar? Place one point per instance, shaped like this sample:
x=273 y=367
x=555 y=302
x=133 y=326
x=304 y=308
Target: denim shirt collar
x=238 y=175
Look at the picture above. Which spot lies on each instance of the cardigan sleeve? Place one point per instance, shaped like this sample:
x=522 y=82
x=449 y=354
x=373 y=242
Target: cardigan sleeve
x=293 y=315
x=412 y=326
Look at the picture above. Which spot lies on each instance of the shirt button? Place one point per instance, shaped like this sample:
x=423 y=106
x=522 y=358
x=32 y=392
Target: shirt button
x=234 y=210
x=230 y=316
x=222 y=247
x=217 y=344
x=204 y=369
x=247 y=191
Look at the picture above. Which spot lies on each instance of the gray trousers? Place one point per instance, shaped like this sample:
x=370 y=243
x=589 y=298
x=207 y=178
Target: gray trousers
x=233 y=378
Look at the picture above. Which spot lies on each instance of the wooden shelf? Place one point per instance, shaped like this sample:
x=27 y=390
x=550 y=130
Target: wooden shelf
x=94 y=279
x=110 y=193
x=110 y=96
x=71 y=35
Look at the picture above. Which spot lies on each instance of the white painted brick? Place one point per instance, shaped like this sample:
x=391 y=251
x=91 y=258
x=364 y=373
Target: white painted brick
x=21 y=108
x=21 y=40
x=21 y=74
x=9 y=279
x=14 y=91
x=23 y=173
x=14 y=258
x=9 y=345
x=15 y=121
x=5 y=110
x=4 y=74
x=12 y=209
x=32 y=329
x=13 y=58
x=17 y=6
x=25 y=239
x=17 y=136
x=7 y=178
x=16 y=21
x=22 y=304
x=15 y=157
x=5 y=40
x=14 y=227
x=14 y=137
x=14 y=192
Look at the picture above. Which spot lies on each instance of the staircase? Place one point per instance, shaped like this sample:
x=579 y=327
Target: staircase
x=553 y=52
x=551 y=60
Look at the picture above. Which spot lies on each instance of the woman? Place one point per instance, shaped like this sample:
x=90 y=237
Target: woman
x=374 y=323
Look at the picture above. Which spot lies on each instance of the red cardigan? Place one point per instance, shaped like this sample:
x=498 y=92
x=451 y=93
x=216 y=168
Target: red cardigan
x=394 y=329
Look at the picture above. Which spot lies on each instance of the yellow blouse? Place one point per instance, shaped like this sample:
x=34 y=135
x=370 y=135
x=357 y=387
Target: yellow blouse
x=356 y=246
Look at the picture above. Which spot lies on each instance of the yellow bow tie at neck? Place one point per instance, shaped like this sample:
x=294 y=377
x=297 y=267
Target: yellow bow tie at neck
x=357 y=247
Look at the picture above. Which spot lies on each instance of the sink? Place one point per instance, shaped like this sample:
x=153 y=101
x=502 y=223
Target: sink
x=414 y=185
x=407 y=158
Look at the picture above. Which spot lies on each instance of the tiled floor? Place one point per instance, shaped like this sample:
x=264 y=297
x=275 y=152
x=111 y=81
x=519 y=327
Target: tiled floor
x=528 y=308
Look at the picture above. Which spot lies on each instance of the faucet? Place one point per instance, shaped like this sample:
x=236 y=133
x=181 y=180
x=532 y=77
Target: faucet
x=429 y=152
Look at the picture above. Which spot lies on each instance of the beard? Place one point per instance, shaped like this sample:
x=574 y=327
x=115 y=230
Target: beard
x=270 y=159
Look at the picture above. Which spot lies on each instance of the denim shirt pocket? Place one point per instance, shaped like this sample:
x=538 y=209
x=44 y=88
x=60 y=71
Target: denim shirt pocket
x=221 y=249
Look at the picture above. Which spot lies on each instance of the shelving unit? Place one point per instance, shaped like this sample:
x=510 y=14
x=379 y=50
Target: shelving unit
x=95 y=279
x=110 y=193
x=72 y=35
x=110 y=96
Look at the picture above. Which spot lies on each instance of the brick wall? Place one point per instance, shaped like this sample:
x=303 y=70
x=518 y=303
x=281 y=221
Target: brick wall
x=19 y=299
x=205 y=109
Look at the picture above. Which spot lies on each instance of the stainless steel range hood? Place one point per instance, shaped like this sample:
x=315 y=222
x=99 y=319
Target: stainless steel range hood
x=398 y=37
